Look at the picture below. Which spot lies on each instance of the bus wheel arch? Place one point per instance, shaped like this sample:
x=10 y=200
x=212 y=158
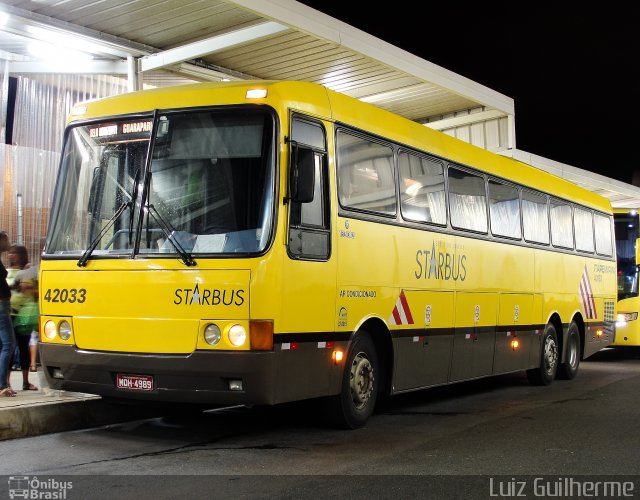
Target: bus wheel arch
x=381 y=338
x=364 y=377
x=573 y=350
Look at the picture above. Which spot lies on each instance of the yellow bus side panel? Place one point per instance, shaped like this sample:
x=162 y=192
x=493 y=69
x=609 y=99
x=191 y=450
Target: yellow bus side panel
x=431 y=309
x=495 y=267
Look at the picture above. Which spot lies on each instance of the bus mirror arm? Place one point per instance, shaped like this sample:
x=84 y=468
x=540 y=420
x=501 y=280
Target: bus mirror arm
x=301 y=174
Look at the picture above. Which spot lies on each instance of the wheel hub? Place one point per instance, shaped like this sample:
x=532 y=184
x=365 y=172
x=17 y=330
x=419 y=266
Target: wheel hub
x=550 y=355
x=361 y=380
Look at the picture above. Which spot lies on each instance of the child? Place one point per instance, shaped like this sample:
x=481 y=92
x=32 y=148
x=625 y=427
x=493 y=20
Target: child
x=25 y=322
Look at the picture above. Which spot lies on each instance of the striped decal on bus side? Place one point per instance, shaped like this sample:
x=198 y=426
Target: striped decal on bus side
x=586 y=296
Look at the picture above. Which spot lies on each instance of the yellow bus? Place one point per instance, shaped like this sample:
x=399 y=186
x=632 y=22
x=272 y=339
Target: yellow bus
x=627 y=250
x=255 y=243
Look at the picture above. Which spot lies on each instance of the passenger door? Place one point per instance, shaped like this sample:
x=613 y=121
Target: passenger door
x=309 y=269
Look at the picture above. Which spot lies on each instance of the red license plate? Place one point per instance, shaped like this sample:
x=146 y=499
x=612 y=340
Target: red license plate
x=134 y=382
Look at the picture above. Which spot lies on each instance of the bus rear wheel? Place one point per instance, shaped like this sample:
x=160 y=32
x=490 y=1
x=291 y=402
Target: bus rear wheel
x=569 y=369
x=546 y=372
x=355 y=404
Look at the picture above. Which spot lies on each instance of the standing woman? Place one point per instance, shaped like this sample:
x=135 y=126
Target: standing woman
x=17 y=261
x=7 y=336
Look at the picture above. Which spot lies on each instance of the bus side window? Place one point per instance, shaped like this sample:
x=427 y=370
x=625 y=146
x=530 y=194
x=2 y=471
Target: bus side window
x=535 y=217
x=366 y=176
x=583 y=221
x=422 y=192
x=604 y=244
x=561 y=224
x=467 y=201
x=504 y=209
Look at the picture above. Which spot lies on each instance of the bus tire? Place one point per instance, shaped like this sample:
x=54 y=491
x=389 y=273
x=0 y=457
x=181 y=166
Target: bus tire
x=546 y=372
x=569 y=369
x=360 y=380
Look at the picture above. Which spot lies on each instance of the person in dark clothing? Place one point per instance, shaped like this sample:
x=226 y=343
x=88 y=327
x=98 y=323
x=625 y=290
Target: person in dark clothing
x=7 y=335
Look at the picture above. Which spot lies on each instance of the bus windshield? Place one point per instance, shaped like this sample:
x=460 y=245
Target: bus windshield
x=626 y=234
x=207 y=189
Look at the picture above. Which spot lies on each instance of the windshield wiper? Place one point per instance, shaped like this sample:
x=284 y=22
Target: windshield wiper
x=94 y=243
x=170 y=234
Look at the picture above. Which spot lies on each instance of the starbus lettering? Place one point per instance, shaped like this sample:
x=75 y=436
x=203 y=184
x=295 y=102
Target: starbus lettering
x=208 y=296
x=440 y=265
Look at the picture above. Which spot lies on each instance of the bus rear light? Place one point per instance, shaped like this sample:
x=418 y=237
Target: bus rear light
x=261 y=335
x=599 y=334
x=515 y=344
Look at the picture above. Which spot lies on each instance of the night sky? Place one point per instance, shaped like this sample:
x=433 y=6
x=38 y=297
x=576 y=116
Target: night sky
x=571 y=68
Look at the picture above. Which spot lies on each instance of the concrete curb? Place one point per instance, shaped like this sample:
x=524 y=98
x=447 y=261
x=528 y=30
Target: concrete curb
x=60 y=416
x=45 y=411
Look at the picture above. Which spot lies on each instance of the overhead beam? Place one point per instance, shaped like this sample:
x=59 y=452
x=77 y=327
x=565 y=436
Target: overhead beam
x=468 y=119
x=203 y=74
x=92 y=67
x=208 y=46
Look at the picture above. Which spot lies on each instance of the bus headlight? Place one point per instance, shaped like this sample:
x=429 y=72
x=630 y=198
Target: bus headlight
x=64 y=330
x=623 y=318
x=212 y=334
x=237 y=335
x=50 y=330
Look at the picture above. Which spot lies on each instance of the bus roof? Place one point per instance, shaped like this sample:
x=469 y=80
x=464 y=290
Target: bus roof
x=320 y=101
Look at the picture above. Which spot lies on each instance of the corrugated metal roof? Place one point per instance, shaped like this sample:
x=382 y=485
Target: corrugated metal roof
x=174 y=41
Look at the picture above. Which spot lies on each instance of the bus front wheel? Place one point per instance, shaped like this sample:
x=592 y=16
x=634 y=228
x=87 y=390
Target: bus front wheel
x=569 y=369
x=355 y=404
x=546 y=372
